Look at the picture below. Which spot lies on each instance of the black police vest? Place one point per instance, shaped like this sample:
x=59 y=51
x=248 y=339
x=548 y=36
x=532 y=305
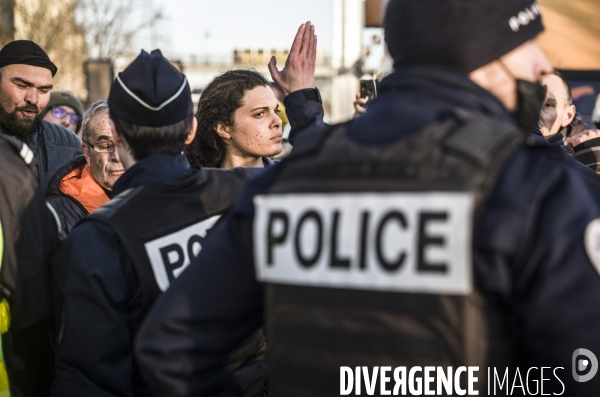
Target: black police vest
x=332 y=190
x=163 y=227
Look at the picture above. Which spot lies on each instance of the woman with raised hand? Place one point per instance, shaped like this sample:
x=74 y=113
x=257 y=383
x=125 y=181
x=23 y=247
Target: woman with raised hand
x=238 y=123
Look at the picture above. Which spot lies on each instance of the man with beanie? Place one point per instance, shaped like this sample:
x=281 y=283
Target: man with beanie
x=25 y=82
x=111 y=268
x=415 y=248
x=65 y=109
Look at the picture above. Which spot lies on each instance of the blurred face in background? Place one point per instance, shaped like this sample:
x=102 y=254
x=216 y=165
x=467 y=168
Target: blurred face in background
x=256 y=130
x=558 y=111
x=100 y=152
x=63 y=115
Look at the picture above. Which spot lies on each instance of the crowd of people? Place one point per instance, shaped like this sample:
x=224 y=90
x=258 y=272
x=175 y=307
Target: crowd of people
x=151 y=249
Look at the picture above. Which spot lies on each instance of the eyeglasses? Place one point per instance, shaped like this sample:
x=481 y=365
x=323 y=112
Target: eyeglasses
x=102 y=147
x=61 y=113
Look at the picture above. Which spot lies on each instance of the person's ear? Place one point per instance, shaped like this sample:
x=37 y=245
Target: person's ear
x=192 y=133
x=223 y=130
x=569 y=115
x=117 y=138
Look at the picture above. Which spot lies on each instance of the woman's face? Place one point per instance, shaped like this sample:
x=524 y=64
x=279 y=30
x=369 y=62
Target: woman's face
x=256 y=129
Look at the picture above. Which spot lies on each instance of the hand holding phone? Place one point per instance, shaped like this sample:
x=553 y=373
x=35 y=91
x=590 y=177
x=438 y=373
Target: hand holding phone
x=368 y=90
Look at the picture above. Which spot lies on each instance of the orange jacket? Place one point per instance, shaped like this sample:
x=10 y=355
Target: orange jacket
x=81 y=185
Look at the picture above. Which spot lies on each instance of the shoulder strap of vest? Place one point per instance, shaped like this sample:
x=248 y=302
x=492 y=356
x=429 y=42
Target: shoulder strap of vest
x=108 y=210
x=477 y=138
x=107 y=215
x=20 y=148
x=309 y=142
x=482 y=144
x=481 y=139
x=487 y=143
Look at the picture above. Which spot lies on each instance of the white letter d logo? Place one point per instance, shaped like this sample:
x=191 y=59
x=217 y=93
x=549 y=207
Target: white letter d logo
x=582 y=364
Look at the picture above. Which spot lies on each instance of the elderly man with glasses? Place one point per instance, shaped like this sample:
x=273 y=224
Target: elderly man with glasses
x=82 y=185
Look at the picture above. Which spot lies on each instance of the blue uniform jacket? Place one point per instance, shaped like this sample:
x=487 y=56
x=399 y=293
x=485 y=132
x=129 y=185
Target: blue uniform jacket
x=529 y=253
x=98 y=300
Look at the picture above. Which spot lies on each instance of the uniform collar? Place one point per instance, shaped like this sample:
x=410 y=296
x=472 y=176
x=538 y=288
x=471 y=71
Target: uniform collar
x=158 y=168
x=444 y=88
x=267 y=162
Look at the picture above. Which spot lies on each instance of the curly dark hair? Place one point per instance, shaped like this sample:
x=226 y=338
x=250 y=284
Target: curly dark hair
x=219 y=100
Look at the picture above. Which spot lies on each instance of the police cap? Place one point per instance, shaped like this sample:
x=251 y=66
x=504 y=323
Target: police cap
x=151 y=92
x=459 y=34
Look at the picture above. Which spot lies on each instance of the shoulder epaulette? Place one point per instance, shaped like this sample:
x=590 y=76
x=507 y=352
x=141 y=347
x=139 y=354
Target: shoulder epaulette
x=111 y=208
x=19 y=147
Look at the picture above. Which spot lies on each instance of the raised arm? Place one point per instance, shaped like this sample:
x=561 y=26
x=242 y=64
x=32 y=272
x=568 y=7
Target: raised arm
x=299 y=70
x=303 y=103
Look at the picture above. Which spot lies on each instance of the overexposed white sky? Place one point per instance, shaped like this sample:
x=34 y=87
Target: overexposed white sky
x=234 y=24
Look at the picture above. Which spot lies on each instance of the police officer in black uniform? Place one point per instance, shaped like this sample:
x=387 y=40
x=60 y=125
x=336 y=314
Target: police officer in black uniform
x=114 y=264
x=427 y=232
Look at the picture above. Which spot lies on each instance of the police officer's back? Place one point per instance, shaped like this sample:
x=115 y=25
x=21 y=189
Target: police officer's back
x=114 y=264
x=424 y=233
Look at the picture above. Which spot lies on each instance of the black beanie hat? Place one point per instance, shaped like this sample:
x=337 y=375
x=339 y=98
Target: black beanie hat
x=25 y=52
x=459 y=34
x=150 y=92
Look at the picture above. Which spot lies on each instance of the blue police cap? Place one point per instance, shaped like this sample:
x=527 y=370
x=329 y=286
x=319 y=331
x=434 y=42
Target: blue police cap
x=151 y=92
x=458 y=34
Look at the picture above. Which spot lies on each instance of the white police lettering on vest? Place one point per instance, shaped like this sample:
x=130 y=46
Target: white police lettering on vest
x=413 y=242
x=171 y=254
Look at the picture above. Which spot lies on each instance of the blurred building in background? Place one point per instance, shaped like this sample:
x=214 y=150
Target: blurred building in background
x=52 y=25
x=572 y=36
x=572 y=31
x=7 y=21
x=200 y=72
x=346 y=56
x=571 y=41
x=84 y=38
x=90 y=40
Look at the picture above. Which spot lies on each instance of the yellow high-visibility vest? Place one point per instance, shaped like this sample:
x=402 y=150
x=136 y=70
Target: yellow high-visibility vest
x=4 y=325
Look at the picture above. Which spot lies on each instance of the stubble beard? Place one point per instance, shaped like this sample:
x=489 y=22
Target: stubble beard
x=19 y=127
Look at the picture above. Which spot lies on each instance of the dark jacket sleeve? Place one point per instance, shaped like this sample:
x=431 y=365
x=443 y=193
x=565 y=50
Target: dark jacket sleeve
x=68 y=212
x=30 y=237
x=92 y=306
x=184 y=344
x=304 y=110
x=531 y=258
x=54 y=146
